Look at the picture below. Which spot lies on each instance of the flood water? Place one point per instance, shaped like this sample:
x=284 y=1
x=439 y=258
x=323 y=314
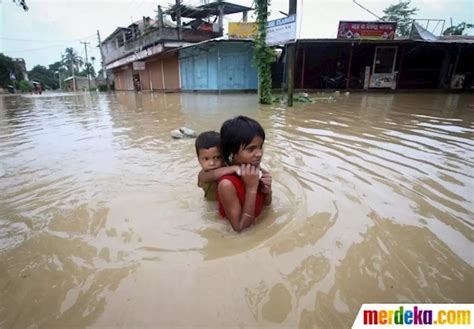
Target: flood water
x=102 y=223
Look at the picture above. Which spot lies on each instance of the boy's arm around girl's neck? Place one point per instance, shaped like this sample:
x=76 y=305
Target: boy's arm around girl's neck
x=213 y=175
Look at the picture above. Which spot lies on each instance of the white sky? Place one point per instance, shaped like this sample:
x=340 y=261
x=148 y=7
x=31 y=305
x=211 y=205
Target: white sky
x=41 y=34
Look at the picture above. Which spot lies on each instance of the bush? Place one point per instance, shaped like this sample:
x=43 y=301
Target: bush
x=24 y=86
x=102 y=87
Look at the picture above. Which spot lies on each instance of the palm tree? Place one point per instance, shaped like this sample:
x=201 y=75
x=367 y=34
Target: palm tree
x=89 y=69
x=72 y=60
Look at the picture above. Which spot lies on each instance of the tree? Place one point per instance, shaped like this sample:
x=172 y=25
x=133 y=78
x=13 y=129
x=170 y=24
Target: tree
x=402 y=14
x=263 y=55
x=7 y=67
x=88 y=69
x=25 y=86
x=458 y=30
x=46 y=77
x=72 y=60
x=57 y=67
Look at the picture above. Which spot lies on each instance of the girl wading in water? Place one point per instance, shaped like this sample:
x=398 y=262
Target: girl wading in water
x=242 y=197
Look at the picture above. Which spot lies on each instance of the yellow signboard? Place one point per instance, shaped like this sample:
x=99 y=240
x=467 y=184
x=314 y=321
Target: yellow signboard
x=242 y=30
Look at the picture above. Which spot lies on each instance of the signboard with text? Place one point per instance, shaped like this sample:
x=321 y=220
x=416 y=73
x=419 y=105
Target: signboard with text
x=242 y=30
x=367 y=30
x=138 y=66
x=281 y=31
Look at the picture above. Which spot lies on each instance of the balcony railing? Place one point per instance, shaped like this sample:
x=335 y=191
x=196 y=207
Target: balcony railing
x=154 y=36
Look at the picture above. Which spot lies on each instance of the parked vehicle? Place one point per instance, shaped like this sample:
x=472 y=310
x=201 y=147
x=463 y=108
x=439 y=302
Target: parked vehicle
x=335 y=80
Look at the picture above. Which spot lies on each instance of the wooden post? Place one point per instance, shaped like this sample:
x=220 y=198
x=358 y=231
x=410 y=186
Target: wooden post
x=178 y=18
x=455 y=65
x=349 y=68
x=221 y=18
x=303 y=64
x=244 y=16
x=400 y=66
x=290 y=75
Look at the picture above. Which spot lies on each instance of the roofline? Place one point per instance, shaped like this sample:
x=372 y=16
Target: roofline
x=368 y=22
x=334 y=40
x=111 y=35
x=396 y=41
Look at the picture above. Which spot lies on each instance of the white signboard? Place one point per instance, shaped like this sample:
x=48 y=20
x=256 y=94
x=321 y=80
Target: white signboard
x=383 y=80
x=138 y=66
x=281 y=31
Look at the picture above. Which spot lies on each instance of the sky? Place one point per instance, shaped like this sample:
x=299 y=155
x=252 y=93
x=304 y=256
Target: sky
x=41 y=34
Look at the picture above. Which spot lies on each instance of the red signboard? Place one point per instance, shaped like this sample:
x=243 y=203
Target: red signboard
x=367 y=30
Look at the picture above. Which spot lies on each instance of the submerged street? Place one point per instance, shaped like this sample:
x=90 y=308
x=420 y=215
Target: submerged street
x=102 y=223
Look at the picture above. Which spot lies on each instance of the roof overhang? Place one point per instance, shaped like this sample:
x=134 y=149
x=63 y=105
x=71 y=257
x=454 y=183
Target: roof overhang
x=145 y=53
x=206 y=10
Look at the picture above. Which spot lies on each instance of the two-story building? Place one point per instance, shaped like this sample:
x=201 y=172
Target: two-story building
x=141 y=55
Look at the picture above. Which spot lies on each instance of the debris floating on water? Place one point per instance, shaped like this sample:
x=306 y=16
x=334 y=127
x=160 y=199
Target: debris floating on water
x=183 y=132
x=307 y=99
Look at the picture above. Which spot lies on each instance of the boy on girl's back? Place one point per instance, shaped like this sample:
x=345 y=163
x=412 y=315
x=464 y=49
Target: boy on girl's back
x=208 y=149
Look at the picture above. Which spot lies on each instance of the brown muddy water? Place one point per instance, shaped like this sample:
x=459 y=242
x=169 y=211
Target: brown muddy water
x=102 y=224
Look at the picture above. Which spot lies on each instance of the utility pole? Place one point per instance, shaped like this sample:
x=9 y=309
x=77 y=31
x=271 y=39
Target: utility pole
x=290 y=66
x=73 y=77
x=59 y=78
x=104 y=70
x=85 y=43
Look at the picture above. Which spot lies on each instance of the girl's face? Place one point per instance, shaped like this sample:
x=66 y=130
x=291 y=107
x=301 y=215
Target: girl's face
x=250 y=154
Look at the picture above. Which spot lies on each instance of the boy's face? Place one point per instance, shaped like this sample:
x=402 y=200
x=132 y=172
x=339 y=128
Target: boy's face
x=210 y=158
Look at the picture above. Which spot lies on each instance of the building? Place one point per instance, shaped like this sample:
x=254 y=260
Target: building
x=218 y=65
x=141 y=55
x=81 y=83
x=423 y=61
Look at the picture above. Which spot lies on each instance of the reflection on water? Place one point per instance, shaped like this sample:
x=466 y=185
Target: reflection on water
x=102 y=224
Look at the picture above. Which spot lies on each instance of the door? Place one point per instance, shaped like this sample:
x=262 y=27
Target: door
x=232 y=71
x=383 y=69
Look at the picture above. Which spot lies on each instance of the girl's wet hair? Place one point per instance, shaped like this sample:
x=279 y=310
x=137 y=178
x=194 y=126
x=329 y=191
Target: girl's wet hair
x=238 y=132
x=207 y=140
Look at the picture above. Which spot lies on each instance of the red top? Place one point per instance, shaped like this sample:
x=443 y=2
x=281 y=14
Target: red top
x=240 y=187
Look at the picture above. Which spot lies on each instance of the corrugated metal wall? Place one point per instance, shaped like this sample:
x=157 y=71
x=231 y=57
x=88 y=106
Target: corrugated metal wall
x=145 y=78
x=156 y=74
x=123 y=78
x=171 y=72
x=218 y=66
x=161 y=73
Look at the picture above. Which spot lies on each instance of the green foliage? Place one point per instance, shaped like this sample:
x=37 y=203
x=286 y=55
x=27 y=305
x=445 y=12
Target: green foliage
x=25 y=87
x=458 y=30
x=402 y=14
x=45 y=76
x=307 y=99
x=263 y=55
x=102 y=87
x=7 y=66
x=88 y=69
x=71 y=60
x=57 y=67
